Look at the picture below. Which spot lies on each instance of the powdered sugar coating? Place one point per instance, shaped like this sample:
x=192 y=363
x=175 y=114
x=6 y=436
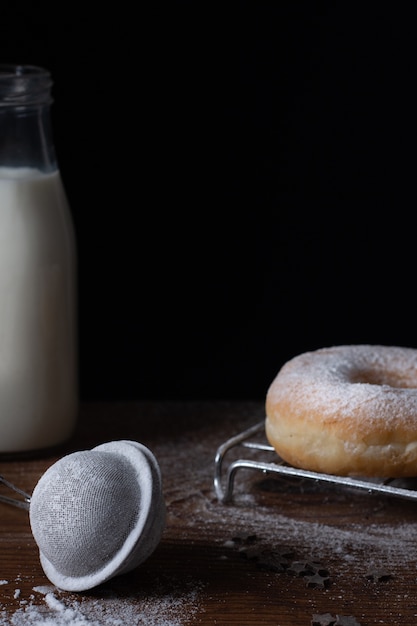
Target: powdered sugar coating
x=355 y=401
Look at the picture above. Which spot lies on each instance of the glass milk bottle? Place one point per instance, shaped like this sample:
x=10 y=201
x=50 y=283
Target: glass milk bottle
x=38 y=330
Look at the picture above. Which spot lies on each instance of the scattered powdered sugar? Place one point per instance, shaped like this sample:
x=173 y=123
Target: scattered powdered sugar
x=395 y=543
x=62 y=609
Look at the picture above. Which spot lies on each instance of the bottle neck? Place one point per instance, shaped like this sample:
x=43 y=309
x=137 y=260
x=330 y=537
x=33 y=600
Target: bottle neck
x=25 y=126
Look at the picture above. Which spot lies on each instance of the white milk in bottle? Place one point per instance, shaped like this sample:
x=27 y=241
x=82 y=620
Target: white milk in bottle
x=38 y=330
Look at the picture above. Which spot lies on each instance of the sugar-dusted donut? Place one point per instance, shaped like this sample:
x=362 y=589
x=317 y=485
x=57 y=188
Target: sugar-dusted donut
x=347 y=410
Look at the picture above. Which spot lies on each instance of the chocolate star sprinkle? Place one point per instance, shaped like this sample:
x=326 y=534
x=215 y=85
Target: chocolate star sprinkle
x=273 y=561
x=378 y=575
x=346 y=620
x=244 y=538
x=328 y=620
x=249 y=552
x=323 y=620
x=316 y=574
x=316 y=580
x=282 y=560
x=300 y=568
x=319 y=569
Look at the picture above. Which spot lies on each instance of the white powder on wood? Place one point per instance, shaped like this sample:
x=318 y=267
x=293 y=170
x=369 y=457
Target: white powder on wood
x=61 y=609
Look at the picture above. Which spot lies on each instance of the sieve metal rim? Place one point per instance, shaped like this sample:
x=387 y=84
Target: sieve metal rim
x=149 y=484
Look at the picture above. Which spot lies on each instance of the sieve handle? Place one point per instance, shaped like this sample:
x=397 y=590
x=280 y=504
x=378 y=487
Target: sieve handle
x=21 y=504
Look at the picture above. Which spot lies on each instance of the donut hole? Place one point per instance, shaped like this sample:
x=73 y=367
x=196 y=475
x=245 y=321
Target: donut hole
x=390 y=378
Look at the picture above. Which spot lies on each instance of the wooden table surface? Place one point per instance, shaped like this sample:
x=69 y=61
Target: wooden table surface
x=282 y=553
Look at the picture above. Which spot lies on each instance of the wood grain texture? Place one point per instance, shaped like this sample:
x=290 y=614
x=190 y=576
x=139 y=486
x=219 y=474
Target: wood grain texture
x=213 y=565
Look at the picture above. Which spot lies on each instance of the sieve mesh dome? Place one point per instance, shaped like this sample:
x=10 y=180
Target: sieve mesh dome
x=84 y=510
x=97 y=513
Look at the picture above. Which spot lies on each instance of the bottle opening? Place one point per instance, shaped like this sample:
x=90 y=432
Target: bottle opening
x=24 y=85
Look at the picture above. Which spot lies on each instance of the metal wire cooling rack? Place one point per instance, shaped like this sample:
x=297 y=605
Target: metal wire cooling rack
x=251 y=440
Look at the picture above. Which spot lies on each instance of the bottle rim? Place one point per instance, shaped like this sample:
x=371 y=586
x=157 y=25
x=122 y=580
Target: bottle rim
x=15 y=69
x=24 y=85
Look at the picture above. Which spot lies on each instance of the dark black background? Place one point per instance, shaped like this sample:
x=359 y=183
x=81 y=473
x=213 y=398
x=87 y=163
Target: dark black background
x=242 y=182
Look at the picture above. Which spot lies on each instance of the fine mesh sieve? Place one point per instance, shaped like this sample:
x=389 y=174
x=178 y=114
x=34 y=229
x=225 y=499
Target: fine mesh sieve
x=96 y=514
